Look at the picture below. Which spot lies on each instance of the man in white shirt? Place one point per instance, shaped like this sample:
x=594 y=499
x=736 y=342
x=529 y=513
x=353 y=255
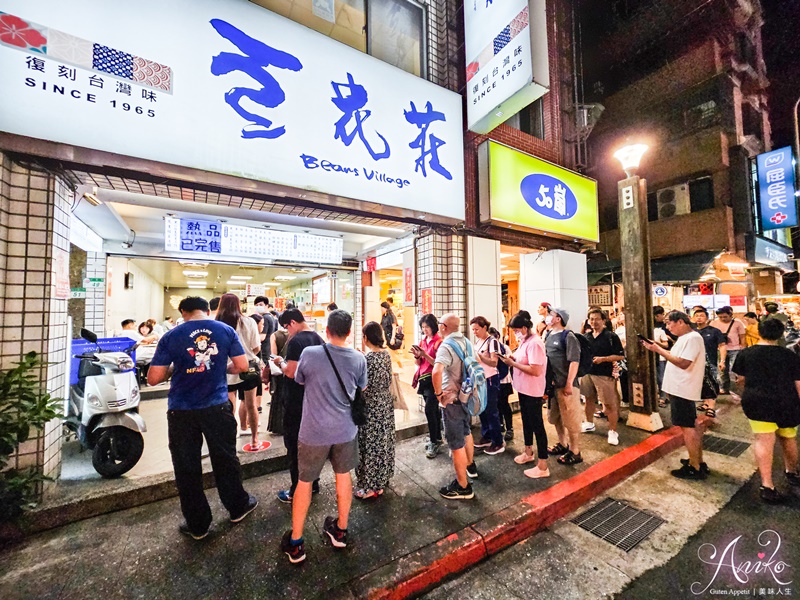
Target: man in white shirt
x=683 y=382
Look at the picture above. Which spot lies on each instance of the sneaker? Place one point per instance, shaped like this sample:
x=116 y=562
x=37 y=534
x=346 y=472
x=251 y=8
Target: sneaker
x=338 y=536
x=285 y=496
x=295 y=552
x=483 y=443
x=184 y=529
x=793 y=479
x=587 y=426
x=613 y=438
x=771 y=495
x=456 y=492
x=431 y=450
x=703 y=466
x=688 y=472
x=472 y=471
x=536 y=473
x=251 y=506
x=492 y=450
x=509 y=436
x=523 y=458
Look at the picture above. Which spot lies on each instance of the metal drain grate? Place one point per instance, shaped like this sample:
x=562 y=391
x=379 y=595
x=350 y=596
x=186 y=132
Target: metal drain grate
x=718 y=445
x=618 y=523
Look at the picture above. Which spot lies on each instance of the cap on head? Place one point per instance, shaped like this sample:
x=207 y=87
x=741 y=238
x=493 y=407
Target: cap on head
x=561 y=312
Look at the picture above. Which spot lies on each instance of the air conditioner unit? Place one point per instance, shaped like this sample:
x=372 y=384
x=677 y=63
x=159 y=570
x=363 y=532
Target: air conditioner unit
x=673 y=201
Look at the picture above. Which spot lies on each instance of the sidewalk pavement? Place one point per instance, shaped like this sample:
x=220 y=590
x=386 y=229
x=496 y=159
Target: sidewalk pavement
x=397 y=542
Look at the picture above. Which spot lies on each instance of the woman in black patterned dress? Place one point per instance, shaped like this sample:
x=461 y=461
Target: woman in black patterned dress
x=376 y=437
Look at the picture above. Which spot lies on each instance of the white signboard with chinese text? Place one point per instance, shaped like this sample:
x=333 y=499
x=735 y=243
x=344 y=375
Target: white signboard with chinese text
x=229 y=87
x=507 y=60
x=214 y=238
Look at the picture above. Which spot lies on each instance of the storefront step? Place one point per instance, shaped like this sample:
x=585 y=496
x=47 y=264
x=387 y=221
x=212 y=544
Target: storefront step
x=74 y=501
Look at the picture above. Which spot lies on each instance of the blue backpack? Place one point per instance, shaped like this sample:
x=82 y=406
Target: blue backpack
x=473 y=383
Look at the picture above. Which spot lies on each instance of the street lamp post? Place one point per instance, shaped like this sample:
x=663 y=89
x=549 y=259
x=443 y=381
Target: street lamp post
x=635 y=246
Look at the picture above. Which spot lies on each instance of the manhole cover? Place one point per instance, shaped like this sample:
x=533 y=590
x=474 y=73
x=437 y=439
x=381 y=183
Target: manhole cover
x=618 y=523
x=718 y=445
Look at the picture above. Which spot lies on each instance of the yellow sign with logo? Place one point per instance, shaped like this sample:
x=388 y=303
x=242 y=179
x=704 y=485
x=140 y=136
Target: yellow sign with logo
x=529 y=193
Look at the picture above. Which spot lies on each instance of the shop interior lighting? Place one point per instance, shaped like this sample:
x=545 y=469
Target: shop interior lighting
x=92 y=199
x=271 y=283
x=737 y=265
x=507 y=272
x=192 y=265
x=630 y=156
x=196 y=283
x=243 y=277
x=507 y=254
x=284 y=277
x=234 y=282
x=195 y=273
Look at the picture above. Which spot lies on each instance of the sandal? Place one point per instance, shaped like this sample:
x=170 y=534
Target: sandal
x=600 y=415
x=711 y=413
x=662 y=403
x=365 y=494
x=702 y=407
x=558 y=449
x=570 y=459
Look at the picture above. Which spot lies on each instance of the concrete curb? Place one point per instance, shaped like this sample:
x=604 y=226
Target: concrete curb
x=421 y=570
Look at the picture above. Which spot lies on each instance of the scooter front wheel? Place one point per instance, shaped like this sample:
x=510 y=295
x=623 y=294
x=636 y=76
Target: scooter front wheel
x=117 y=450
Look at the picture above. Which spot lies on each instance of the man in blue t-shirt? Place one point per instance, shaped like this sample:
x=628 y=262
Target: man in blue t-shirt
x=198 y=352
x=327 y=430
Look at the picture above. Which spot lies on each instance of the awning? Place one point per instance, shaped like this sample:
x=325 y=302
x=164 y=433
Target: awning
x=687 y=268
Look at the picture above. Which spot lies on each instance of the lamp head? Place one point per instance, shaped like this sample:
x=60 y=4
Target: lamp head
x=630 y=156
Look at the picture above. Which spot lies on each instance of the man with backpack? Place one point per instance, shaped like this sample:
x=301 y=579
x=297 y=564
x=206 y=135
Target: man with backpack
x=563 y=361
x=599 y=382
x=447 y=378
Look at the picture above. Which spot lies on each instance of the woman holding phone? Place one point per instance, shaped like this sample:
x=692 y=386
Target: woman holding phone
x=529 y=363
x=425 y=354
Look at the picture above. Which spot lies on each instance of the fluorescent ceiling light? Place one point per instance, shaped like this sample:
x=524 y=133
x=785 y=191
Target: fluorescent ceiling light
x=244 y=277
x=197 y=287
x=234 y=282
x=193 y=282
x=195 y=273
x=271 y=283
x=92 y=199
x=507 y=254
x=193 y=265
x=284 y=277
x=508 y=272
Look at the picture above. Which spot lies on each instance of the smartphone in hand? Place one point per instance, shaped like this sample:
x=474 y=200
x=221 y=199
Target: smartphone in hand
x=644 y=339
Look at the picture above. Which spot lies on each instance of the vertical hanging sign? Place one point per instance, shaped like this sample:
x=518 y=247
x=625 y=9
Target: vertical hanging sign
x=776 y=189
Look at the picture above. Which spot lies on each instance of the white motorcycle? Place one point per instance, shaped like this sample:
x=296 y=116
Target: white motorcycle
x=104 y=409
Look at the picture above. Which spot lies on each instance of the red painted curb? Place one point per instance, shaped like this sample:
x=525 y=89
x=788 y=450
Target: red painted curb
x=422 y=569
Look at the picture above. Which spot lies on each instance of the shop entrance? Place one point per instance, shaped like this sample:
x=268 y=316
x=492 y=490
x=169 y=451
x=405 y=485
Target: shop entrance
x=124 y=268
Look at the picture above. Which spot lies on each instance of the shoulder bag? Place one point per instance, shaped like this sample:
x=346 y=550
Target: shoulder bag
x=358 y=406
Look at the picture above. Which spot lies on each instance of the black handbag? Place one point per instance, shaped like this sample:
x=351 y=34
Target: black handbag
x=253 y=372
x=710 y=389
x=358 y=406
x=398 y=339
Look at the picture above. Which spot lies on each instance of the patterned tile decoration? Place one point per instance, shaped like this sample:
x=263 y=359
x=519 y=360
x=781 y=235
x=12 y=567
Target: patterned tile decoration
x=63 y=47
x=501 y=40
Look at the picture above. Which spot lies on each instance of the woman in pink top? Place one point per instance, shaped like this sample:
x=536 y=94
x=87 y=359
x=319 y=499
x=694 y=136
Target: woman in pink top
x=529 y=363
x=425 y=354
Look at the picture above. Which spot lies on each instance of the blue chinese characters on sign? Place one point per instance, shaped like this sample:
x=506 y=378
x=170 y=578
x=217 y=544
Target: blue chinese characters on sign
x=776 y=189
x=549 y=196
x=423 y=121
x=201 y=236
x=256 y=57
x=352 y=105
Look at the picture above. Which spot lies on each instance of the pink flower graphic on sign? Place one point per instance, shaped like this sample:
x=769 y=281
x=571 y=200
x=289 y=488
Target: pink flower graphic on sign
x=16 y=32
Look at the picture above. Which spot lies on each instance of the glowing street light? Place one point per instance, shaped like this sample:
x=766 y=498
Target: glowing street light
x=630 y=156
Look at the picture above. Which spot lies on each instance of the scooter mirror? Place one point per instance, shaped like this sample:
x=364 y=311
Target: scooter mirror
x=89 y=336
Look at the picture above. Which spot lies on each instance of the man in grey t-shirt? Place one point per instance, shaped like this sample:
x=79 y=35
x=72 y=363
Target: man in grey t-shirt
x=563 y=359
x=447 y=375
x=326 y=429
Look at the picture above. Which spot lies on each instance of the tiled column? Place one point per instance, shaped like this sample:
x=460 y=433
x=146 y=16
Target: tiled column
x=96 y=297
x=34 y=222
x=441 y=267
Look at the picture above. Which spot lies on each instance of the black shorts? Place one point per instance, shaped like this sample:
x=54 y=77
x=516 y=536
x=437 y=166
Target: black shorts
x=683 y=411
x=244 y=386
x=242 y=389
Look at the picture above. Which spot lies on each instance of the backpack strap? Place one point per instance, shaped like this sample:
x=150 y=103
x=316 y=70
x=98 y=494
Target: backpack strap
x=460 y=354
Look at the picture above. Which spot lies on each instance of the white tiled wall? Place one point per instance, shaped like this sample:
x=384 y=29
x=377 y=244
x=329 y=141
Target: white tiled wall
x=34 y=219
x=441 y=267
x=95 y=297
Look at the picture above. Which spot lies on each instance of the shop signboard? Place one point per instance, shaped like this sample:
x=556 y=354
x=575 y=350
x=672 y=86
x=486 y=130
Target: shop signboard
x=223 y=240
x=776 y=189
x=255 y=289
x=229 y=87
x=408 y=285
x=525 y=192
x=599 y=295
x=768 y=252
x=507 y=60
x=659 y=291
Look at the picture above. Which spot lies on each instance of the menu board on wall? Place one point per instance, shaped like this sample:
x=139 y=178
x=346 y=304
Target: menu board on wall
x=321 y=290
x=222 y=240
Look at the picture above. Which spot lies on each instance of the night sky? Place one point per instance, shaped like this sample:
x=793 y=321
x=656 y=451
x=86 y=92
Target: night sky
x=781 y=41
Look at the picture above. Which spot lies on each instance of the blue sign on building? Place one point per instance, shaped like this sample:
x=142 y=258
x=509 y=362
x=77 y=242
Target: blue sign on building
x=776 y=189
